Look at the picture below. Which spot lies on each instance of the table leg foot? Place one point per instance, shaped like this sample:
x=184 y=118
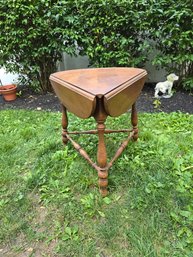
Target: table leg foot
x=103 y=182
x=64 y=125
x=103 y=191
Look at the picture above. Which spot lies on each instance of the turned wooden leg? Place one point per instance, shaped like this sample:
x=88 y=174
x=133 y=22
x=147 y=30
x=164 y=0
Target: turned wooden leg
x=64 y=125
x=102 y=160
x=134 y=121
x=100 y=117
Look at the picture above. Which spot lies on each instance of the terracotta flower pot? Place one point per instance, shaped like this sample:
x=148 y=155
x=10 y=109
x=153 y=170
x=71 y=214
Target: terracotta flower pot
x=9 y=92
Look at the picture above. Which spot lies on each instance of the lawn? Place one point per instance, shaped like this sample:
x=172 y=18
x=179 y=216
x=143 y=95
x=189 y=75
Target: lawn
x=49 y=199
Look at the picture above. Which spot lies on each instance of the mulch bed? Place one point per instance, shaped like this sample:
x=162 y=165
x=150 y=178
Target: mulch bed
x=180 y=101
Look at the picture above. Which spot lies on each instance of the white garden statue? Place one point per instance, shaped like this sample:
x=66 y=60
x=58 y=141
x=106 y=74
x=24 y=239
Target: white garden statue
x=164 y=89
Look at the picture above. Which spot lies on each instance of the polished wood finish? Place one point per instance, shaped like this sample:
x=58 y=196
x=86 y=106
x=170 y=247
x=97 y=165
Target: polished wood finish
x=119 y=88
x=99 y=93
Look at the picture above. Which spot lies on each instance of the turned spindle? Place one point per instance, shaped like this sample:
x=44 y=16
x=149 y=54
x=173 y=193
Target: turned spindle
x=64 y=125
x=100 y=117
x=134 y=121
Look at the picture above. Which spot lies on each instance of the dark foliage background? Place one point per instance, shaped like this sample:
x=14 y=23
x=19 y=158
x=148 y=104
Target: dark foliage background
x=110 y=32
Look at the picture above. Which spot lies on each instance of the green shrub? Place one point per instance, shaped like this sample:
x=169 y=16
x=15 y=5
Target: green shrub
x=171 y=28
x=32 y=39
x=112 y=32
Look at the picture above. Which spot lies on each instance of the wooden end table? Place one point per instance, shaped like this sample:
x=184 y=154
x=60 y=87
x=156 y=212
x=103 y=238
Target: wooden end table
x=99 y=92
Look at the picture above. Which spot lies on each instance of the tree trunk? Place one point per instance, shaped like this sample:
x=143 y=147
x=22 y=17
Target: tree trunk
x=46 y=68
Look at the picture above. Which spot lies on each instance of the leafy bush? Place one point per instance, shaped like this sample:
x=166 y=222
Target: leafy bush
x=109 y=32
x=33 y=39
x=112 y=32
x=171 y=28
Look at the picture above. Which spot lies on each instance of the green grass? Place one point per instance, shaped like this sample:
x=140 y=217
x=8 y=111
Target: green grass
x=49 y=199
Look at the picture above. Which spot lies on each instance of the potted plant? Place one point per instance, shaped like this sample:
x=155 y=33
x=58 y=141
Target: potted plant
x=9 y=92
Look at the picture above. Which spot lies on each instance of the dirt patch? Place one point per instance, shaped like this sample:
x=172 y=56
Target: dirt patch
x=180 y=101
x=23 y=247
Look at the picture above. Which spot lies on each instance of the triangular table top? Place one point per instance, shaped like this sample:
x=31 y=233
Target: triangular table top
x=78 y=89
x=99 y=81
